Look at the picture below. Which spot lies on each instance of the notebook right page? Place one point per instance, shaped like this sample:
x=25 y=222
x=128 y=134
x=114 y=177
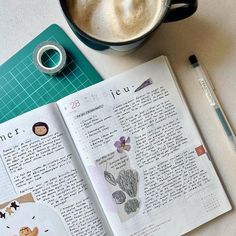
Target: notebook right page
x=143 y=153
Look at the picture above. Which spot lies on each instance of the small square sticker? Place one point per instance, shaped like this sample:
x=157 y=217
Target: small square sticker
x=200 y=150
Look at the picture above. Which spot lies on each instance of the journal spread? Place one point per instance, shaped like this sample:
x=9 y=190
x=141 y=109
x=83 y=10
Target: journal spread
x=122 y=157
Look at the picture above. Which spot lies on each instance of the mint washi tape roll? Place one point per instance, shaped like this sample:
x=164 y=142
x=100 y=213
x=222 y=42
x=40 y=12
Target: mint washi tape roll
x=49 y=57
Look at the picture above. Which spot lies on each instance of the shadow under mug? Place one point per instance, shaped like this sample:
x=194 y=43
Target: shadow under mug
x=174 y=10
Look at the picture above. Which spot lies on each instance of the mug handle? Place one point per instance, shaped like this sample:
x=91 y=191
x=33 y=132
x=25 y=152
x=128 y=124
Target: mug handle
x=186 y=9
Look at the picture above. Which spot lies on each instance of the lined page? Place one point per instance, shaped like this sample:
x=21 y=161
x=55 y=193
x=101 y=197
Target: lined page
x=143 y=153
x=7 y=190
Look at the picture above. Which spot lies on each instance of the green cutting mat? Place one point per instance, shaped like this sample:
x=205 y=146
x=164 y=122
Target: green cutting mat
x=23 y=87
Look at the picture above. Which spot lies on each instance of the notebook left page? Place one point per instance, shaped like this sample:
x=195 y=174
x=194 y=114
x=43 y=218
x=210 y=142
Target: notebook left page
x=37 y=157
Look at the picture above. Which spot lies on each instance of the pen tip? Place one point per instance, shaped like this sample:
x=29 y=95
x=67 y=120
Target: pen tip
x=193 y=60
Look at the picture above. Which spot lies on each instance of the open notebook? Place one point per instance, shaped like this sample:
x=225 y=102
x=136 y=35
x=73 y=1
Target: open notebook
x=122 y=157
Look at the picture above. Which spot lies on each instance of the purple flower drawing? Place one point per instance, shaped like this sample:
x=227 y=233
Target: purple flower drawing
x=122 y=144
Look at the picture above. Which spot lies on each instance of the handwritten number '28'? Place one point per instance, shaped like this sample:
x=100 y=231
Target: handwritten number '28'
x=75 y=104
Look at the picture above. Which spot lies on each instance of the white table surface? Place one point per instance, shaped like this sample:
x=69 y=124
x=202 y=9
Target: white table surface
x=210 y=34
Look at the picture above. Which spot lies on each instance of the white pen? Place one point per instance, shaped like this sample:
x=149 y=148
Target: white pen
x=212 y=99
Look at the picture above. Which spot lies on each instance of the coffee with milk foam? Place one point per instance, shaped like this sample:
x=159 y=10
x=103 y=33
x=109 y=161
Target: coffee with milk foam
x=115 y=20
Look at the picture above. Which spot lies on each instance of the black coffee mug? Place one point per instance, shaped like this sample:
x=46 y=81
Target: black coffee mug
x=174 y=10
